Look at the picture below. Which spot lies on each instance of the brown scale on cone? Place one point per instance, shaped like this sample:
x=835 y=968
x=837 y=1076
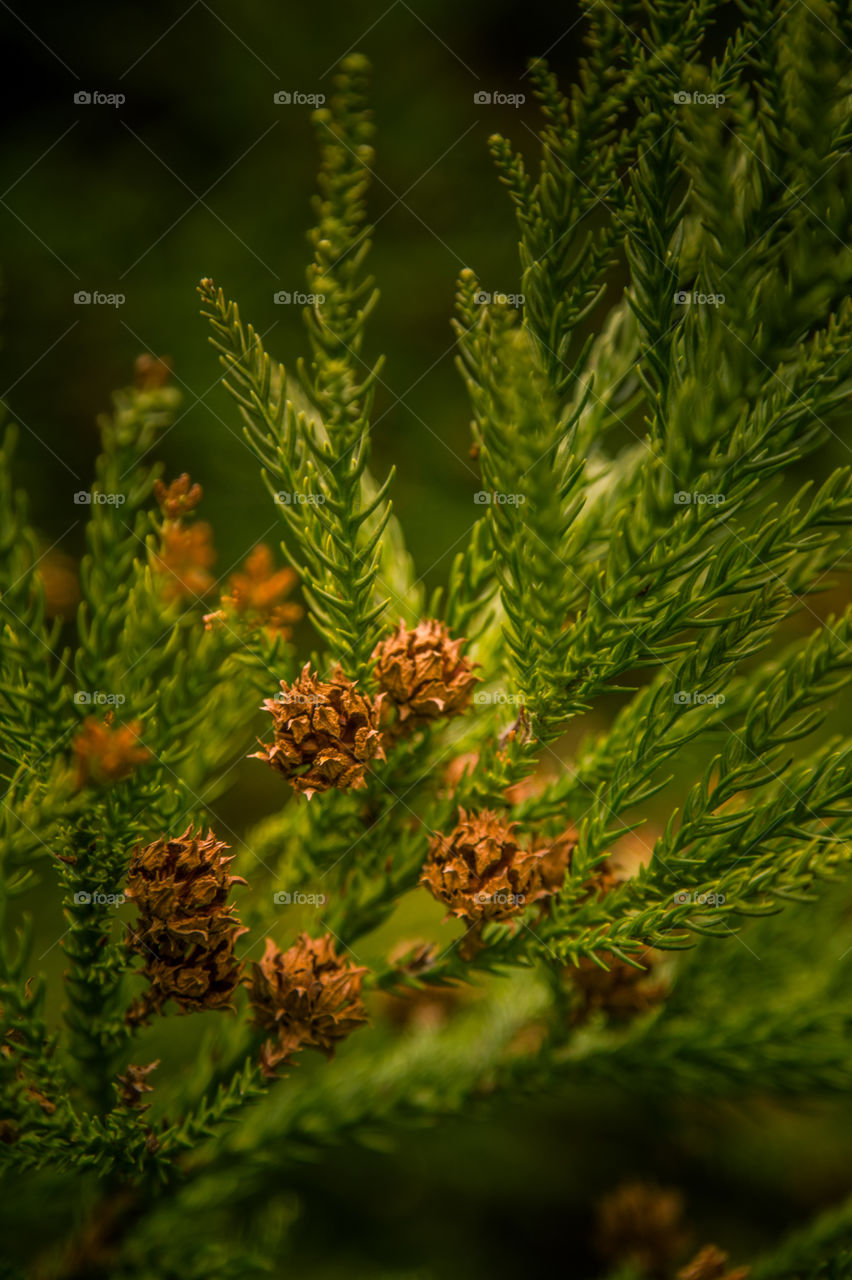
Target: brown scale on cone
x=307 y=996
x=187 y=929
x=326 y=733
x=423 y=673
x=481 y=872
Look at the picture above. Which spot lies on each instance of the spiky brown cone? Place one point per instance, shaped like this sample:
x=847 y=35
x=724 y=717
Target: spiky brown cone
x=480 y=871
x=326 y=733
x=186 y=928
x=423 y=673
x=307 y=996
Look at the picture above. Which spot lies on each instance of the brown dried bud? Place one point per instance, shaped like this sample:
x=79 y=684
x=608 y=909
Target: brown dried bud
x=60 y=583
x=257 y=593
x=621 y=991
x=326 y=733
x=186 y=929
x=421 y=1008
x=480 y=871
x=556 y=860
x=176 y=499
x=36 y=1095
x=307 y=996
x=213 y=621
x=105 y=754
x=413 y=957
x=460 y=767
x=423 y=673
x=133 y=1084
x=152 y=372
x=641 y=1224
x=711 y=1263
x=185 y=558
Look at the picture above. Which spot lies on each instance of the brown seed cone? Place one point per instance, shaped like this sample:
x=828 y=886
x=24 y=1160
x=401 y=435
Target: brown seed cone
x=480 y=871
x=133 y=1084
x=556 y=860
x=326 y=733
x=641 y=1224
x=200 y=979
x=711 y=1263
x=423 y=673
x=186 y=928
x=621 y=991
x=307 y=996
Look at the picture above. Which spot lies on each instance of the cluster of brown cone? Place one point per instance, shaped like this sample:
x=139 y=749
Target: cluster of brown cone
x=186 y=933
x=326 y=732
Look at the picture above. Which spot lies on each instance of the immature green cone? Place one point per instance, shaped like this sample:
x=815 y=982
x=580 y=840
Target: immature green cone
x=307 y=996
x=186 y=928
x=326 y=733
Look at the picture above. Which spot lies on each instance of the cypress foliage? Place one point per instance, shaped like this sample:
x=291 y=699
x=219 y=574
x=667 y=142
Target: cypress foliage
x=633 y=627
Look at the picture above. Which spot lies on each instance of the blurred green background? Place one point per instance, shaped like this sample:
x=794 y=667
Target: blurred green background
x=199 y=172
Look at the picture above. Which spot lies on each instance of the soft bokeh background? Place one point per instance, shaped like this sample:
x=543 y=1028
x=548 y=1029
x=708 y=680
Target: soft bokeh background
x=200 y=173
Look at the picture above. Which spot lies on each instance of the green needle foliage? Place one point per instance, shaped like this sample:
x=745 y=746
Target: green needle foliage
x=608 y=745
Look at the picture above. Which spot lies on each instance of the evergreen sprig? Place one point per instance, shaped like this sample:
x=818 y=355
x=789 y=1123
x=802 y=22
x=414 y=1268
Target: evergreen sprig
x=629 y=658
